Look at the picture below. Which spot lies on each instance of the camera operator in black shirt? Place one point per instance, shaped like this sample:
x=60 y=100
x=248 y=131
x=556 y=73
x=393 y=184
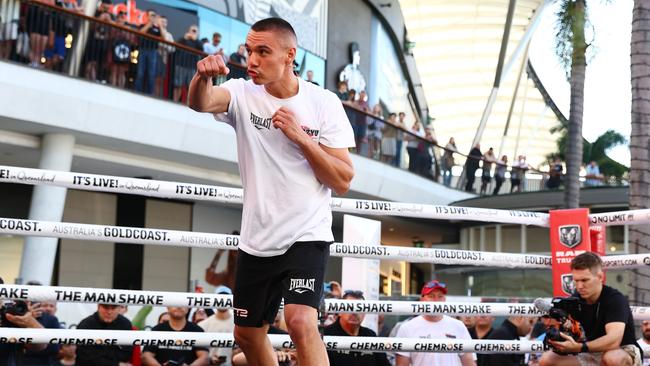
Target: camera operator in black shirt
x=606 y=318
x=16 y=315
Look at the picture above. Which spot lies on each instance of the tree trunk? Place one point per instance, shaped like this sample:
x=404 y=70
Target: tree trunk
x=574 y=144
x=640 y=142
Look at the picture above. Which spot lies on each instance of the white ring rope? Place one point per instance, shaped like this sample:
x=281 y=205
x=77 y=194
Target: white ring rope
x=191 y=299
x=222 y=241
x=226 y=340
x=200 y=192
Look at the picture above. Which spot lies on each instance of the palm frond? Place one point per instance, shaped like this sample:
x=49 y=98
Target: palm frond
x=566 y=21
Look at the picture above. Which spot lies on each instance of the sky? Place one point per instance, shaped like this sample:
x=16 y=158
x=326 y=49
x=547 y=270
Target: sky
x=607 y=84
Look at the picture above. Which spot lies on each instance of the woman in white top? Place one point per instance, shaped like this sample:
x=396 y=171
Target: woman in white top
x=412 y=145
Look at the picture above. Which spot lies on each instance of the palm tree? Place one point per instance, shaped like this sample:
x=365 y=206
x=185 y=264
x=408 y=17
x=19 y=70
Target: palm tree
x=571 y=48
x=640 y=139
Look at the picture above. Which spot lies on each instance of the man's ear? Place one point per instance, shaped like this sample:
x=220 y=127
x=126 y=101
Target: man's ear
x=291 y=56
x=600 y=275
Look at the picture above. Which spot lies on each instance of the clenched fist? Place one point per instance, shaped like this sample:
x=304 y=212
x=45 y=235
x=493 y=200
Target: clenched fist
x=211 y=66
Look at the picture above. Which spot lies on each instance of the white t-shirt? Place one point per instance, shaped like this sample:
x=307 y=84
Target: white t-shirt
x=214 y=325
x=446 y=328
x=646 y=351
x=284 y=202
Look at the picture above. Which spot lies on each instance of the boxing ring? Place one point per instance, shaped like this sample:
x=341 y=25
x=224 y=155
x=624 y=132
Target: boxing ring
x=225 y=195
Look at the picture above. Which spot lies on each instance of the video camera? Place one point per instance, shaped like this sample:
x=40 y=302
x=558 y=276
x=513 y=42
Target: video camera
x=561 y=310
x=18 y=308
x=11 y=307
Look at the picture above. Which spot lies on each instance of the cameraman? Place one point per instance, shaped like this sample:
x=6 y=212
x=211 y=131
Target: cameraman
x=606 y=318
x=12 y=354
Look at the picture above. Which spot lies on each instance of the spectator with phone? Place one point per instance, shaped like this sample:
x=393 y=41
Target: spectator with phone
x=222 y=321
x=48 y=355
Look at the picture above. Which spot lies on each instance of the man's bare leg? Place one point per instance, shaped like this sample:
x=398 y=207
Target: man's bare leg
x=256 y=345
x=302 y=322
x=550 y=358
x=616 y=357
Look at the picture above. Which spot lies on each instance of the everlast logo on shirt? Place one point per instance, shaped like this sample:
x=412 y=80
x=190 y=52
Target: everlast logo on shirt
x=260 y=122
x=302 y=285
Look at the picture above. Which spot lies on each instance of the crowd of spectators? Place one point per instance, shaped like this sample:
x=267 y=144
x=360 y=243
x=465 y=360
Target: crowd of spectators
x=180 y=319
x=143 y=55
x=138 y=53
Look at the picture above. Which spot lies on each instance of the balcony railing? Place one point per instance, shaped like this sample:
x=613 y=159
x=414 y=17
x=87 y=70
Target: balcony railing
x=113 y=52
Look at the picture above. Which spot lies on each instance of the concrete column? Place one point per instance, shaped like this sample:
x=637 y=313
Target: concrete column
x=497 y=240
x=524 y=244
x=482 y=238
x=471 y=238
x=47 y=204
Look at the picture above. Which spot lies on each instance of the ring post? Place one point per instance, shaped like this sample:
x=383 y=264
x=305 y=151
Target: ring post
x=570 y=236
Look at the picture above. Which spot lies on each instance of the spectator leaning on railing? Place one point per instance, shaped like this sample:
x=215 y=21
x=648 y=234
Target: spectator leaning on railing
x=342 y=91
x=388 y=141
x=518 y=174
x=121 y=44
x=148 y=54
x=239 y=57
x=412 y=145
x=97 y=48
x=38 y=26
x=401 y=124
x=359 y=123
x=448 y=161
x=163 y=56
x=213 y=48
x=423 y=161
x=500 y=174
x=594 y=178
x=555 y=174
x=375 y=126
x=185 y=61
x=471 y=165
x=486 y=174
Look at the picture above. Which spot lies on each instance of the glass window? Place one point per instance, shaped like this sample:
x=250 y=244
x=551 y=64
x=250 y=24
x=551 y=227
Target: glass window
x=233 y=32
x=388 y=86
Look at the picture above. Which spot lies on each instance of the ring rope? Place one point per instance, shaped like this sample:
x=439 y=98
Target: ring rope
x=226 y=340
x=194 y=239
x=197 y=300
x=201 y=192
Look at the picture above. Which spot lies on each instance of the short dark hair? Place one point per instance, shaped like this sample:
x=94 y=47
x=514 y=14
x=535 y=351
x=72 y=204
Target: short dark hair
x=216 y=34
x=587 y=260
x=354 y=294
x=274 y=24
